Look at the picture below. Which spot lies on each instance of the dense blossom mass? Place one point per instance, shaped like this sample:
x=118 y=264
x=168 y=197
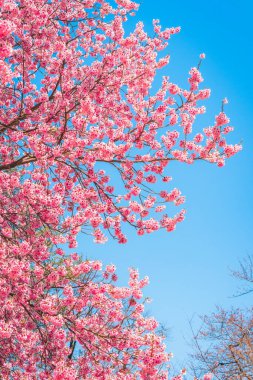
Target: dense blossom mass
x=84 y=146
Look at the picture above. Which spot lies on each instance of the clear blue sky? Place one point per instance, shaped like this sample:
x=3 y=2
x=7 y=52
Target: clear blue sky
x=189 y=268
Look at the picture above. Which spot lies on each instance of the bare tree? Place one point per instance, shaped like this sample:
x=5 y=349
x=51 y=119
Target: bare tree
x=223 y=345
x=245 y=275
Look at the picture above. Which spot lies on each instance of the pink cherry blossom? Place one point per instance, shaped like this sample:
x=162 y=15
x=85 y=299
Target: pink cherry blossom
x=85 y=146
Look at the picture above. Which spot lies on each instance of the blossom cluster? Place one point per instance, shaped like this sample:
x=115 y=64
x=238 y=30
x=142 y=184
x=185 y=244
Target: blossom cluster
x=49 y=309
x=76 y=112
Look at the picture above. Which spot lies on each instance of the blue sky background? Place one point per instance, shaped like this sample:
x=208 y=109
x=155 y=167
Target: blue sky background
x=189 y=268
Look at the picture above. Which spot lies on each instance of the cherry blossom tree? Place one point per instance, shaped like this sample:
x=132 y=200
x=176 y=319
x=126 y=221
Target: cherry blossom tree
x=65 y=319
x=84 y=146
